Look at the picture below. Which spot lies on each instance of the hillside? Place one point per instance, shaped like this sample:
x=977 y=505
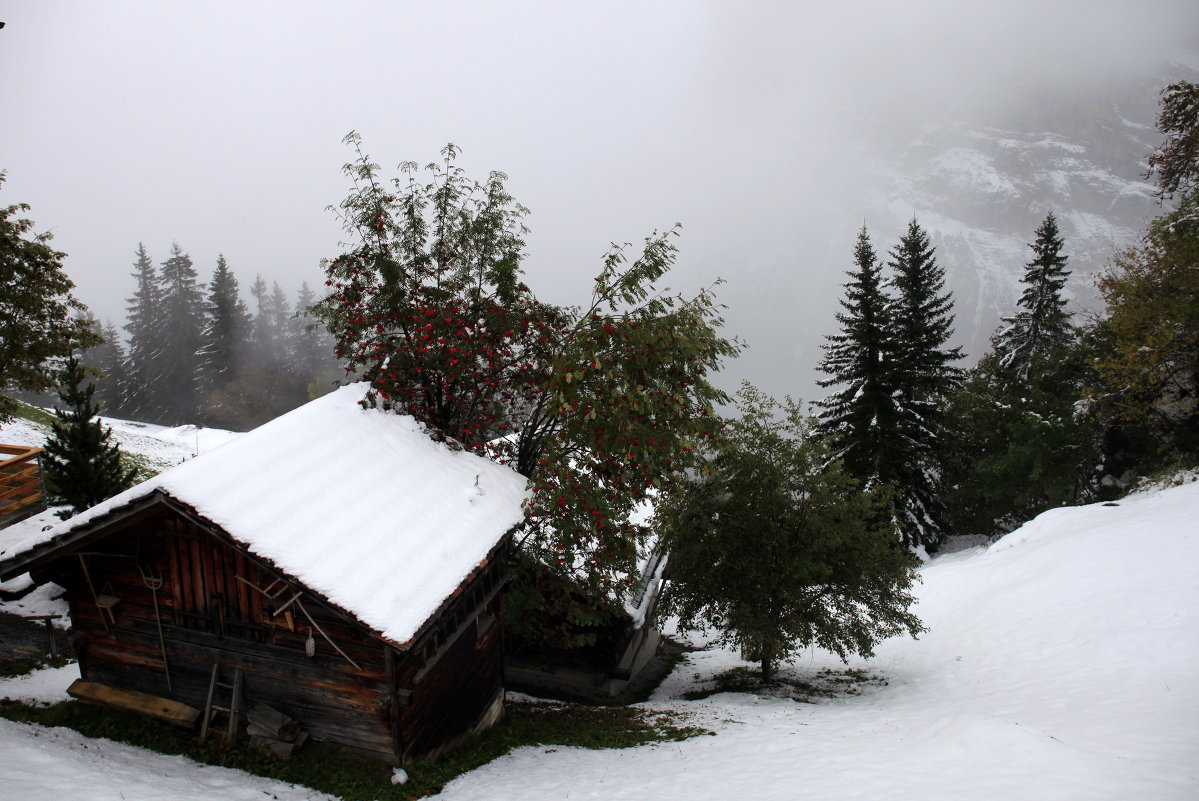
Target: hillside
x=1059 y=664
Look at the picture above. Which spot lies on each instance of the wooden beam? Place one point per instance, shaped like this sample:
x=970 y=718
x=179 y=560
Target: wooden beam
x=93 y=692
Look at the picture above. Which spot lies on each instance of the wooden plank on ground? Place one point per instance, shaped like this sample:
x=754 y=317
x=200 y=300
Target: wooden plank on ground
x=93 y=692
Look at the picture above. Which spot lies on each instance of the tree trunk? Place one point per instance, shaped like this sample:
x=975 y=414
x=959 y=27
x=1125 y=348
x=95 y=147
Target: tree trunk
x=767 y=669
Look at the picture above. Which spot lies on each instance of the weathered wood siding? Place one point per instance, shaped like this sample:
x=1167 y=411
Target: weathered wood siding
x=400 y=705
x=209 y=617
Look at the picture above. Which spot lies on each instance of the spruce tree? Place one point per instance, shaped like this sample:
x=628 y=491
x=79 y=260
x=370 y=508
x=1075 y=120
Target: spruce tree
x=108 y=360
x=145 y=325
x=226 y=334
x=311 y=346
x=183 y=307
x=862 y=412
x=922 y=375
x=1041 y=326
x=81 y=466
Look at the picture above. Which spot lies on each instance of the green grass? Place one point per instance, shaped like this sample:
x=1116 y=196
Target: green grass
x=33 y=414
x=329 y=769
x=12 y=667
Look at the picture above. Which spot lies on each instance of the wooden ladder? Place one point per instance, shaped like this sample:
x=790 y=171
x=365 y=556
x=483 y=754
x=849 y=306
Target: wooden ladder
x=233 y=710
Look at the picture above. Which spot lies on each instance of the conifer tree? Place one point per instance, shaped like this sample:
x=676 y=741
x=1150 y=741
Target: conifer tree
x=183 y=308
x=108 y=360
x=226 y=334
x=81 y=466
x=1041 y=326
x=922 y=375
x=146 y=323
x=861 y=414
x=311 y=346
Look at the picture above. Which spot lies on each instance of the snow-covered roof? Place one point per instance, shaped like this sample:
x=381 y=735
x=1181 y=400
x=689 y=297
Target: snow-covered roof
x=357 y=504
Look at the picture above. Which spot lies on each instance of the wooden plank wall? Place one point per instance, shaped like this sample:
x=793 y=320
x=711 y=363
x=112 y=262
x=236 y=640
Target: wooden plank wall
x=209 y=616
x=455 y=671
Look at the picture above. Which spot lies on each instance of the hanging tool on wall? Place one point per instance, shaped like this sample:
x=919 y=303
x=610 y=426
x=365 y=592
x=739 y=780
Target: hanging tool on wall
x=154 y=583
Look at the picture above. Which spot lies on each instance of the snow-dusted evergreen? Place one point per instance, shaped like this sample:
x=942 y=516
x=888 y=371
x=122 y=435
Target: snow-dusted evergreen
x=82 y=467
x=922 y=374
x=145 y=325
x=183 y=305
x=858 y=360
x=1041 y=327
x=226 y=329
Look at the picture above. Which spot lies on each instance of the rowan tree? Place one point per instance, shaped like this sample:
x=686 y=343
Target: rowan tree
x=596 y=405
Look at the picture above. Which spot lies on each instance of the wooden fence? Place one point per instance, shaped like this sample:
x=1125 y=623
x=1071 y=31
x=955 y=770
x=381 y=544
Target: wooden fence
x=22 y=493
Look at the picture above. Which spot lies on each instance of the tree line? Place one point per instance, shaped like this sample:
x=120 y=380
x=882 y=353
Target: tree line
x=197 y=354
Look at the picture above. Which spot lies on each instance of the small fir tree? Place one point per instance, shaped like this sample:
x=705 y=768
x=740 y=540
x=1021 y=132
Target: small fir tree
x=773 y=544
x=81 y=466
x=1041 y=327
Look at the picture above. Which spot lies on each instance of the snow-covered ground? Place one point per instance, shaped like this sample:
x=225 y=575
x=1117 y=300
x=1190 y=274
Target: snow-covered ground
x=1060 y=664
x=160 y=446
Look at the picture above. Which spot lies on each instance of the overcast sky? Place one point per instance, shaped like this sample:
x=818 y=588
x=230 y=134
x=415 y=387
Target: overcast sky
x=218 y=125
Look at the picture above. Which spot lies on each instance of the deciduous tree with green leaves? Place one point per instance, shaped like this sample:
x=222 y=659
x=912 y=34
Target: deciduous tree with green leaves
x=40 y=321
x=1149 y=373
x=596 y=405
x=775 y=546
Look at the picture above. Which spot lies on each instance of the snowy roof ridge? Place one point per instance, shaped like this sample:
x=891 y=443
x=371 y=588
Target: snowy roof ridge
x=359 y=505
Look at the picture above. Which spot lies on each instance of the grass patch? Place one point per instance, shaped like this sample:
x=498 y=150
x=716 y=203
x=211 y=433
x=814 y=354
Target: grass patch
x=13 y=667
x=329 y=769
x=826 y=683
x=33 y=414
x=144 y=469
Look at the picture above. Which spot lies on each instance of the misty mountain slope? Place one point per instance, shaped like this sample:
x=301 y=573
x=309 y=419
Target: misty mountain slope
x=982 y=191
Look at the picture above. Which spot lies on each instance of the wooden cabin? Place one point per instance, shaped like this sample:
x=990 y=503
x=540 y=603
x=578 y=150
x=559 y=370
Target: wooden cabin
x=336 y=565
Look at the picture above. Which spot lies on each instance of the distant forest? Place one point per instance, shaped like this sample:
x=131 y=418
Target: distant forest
x=196 y=353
